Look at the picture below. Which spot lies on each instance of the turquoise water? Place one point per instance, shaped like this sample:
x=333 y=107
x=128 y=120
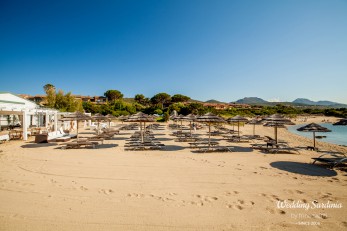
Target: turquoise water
x=338 y=134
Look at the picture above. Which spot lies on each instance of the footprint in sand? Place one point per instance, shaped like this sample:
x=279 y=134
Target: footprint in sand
x=277 y=211
x=275 y=197
x=236 y=207
x=83 y=188
x=227 y=193
x=107 y=191
x=210 y=199
x=137 y=195
x=197 y=203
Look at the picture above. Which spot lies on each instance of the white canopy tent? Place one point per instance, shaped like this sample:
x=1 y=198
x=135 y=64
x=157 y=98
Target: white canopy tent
x=29 y=112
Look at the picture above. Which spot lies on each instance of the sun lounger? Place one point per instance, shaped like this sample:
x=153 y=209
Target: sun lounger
x=281 y=148
x=214 y=149
x=80 y=144
x=143 y=147
x=201 y=144
x=275 y=148
x=332 y=160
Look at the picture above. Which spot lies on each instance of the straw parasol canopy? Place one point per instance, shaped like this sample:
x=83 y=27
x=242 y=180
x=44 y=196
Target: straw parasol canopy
x=237 y=119
x=98 y=117
x=109 y=118
x=140 y=117
x=179 y=118
x=190 y=118
x=277 y=121
x=341 y=122
x=78 y=116
x=254 y=121
x=313 y=127
x=122 y=118
x=209 y=118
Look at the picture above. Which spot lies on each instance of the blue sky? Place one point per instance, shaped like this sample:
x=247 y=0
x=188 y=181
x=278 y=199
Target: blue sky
x=224 y=49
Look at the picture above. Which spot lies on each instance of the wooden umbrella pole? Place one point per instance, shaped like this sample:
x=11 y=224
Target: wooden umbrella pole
x=276 y=133
x=181 y=127
x=77 y=128
x=314 y=140
x=238 y=128
x=190 y=126
x=209 y=134
x=253 y=129
x=141 y=133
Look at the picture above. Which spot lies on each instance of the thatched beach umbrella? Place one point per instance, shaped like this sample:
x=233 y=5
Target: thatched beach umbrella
x=179 y=118
x=277 y=121
x=190 y=118
x=109 y=118
x=209 y=118
x=78 y=116
x=140 y=117
x=237 y=119
x=98 y=117
x=254 y=121
x=341 y=122
x=313 y=127
x=122 y=118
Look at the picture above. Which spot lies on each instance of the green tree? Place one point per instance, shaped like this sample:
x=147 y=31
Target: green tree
x=67 y=103
x=179 y=98
x=166 y=116
x=141 y=99
x=48 y=87
x=161 y=99
x=113 y=95
x=50 y=95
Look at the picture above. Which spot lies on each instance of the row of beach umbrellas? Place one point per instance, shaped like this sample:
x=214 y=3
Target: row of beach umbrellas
x=275 y=120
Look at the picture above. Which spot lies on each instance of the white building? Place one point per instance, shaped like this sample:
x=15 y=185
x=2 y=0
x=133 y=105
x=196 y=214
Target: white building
x=27 y=113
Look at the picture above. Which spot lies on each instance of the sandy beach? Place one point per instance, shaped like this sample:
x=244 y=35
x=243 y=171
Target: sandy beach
x=45 y=188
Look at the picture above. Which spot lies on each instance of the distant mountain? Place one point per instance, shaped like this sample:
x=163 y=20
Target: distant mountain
x=213 y=101
x=318 y=103
x=252 y=100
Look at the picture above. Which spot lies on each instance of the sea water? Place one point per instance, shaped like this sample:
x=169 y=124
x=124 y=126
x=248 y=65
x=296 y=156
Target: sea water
x=338 y=134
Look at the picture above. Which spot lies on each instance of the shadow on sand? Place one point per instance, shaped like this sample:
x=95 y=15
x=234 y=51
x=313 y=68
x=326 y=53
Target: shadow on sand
x=241 y=149
x=38 y=145
x=173 y=148
x=106 y=146
x=164 y=139
x=100 y=146
x=303 y=168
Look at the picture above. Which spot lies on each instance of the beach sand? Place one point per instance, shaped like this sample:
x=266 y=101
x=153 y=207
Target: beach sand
x=45 y=188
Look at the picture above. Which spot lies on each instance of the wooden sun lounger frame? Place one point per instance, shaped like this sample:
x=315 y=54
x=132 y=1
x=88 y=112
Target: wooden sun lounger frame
x=80 y=144
x=214 y=149
x=333 y=161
